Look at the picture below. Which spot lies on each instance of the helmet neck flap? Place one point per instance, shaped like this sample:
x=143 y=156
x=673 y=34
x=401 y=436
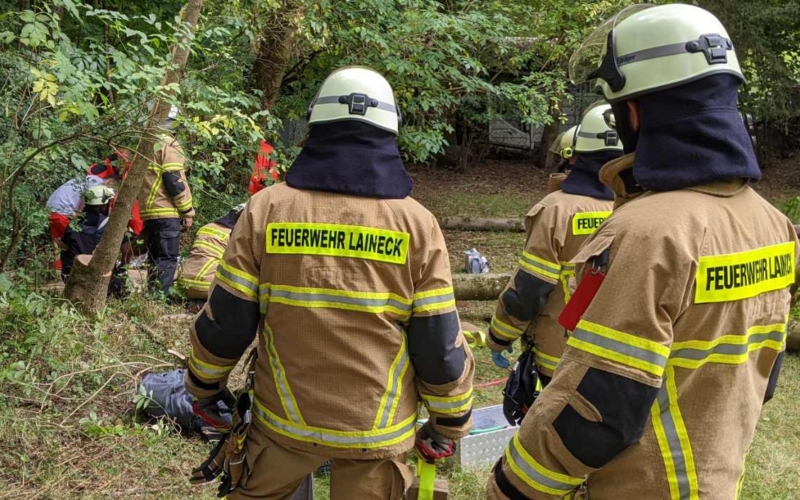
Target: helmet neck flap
x=583 y=178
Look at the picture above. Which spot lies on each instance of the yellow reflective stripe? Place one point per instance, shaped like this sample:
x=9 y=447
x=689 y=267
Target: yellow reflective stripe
x=545 y=360
x=337 y=240
x=160 y=211
x=371 y=439
x=153 y=192
x=540 y=266
x=207 y=370
x=585 y=223
x=209 y=267
x=448 y=404
x=371 y=302
x=171 y=166
x=728 y=349
x=184 y=205
x=190 y=283
x=263 y=297
x=623 y=348
x=504 y=329
x=214 y=233
x=535 y=474
x=238 y=279
x=567 y=271
x=394 y=388
x=741 y=275
x=673 y=440
x=214 y=249
x=282 y=387
x=740 y=482
x=430 y=300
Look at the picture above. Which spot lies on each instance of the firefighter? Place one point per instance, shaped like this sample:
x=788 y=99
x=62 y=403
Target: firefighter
x=346 y=281
x=198 y=270
x=113 y=171
x=556 y=228
x=563 y=147
x=166 y=208
x=679 y=320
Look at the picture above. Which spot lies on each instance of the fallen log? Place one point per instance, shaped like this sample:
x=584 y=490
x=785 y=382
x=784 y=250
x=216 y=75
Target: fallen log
x=479 y=286
x=482 y=224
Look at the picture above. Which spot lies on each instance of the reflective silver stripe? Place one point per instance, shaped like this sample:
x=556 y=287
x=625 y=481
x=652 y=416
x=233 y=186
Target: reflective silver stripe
x=320 y=436
x=552 y=269
x=280 y=378
x=674 y=442
x=393 y=391
x=620 y=347
x=237 y=279
x=727 y=349
x=455 y=402
x=653 y=53
x=434 y=300
x=544 y=362
x=334 y=99
x=534 y=474
x=263 y=298
x=338 y=299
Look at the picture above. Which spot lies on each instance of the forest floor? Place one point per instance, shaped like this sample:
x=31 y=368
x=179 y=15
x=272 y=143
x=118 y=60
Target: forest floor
x=68 y=428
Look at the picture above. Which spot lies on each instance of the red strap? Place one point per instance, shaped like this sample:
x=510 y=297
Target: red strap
x=583 y=296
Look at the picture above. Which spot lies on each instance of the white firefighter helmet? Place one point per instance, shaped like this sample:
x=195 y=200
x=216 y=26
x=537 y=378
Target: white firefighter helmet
x=598 y=130
x=647 y=48
x=567 y=146
x=355 y=93
x=98 y=196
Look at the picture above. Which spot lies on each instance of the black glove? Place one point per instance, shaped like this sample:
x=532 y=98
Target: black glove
x=431 y=445
x=209 y=410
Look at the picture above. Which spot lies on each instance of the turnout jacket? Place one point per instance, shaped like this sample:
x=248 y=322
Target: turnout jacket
x=198 y=270
x=661 y=384
x=352 y=301
x=556 y=228
x=165 y=193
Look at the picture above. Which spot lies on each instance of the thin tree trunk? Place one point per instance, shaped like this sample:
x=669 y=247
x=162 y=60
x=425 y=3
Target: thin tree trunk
x=482 y=224
x=275 y=46
x=549 y=135
x=479 y=286
x=88 y=285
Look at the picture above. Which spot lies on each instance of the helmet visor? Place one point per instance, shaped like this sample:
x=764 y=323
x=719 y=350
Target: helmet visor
x=592 y=60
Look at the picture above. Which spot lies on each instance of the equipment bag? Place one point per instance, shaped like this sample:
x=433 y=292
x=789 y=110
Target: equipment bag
x=522 y=388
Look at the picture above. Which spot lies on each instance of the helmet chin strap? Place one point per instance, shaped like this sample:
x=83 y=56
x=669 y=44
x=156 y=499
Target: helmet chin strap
x=629 y=136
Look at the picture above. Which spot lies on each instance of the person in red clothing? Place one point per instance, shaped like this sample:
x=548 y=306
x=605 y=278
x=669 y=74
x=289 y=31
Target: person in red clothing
x=113 y=169
x=264 y=169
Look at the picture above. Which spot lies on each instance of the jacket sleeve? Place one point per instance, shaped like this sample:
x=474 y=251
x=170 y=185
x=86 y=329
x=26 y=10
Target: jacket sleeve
x=173 y=176
x=603 y=393
x=228 y=323
x=442 y=360
x=537 y=275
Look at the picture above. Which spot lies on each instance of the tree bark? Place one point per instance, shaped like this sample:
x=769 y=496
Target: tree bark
x=479 y=286
x=275 y=46
x=88 y=285
x=482 y=224
x=549 y=135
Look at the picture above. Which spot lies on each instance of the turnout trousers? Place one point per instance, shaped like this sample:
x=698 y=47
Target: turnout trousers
x=275 y=472
x=162 y=238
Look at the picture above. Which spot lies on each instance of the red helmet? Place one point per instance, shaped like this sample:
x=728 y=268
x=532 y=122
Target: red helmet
x=264 y=169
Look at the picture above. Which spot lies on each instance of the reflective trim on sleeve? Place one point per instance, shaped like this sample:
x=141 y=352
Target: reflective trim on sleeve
x=190 y=283
x=673 y=440
x=448 y=404
x=371 y=439
x=505 y=330
x=285 y=393
x=214 y=233
x=172 y=166
x=545 y=360
x=238 y=279
x=263 y=298
x=432 y=300
x=207 y=370
x=540 y=266
x=394 y=388
x=535 y=475
x=620 y=347
x=728 y=349
x=208 y=269
x=215 y=250
x=184 y=205
x=370 y=302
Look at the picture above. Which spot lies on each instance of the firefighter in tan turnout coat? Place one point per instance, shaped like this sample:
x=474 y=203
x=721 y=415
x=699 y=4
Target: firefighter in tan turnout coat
x=678 y=341
x=556 y=228
x=198 y=270
x=346 y=282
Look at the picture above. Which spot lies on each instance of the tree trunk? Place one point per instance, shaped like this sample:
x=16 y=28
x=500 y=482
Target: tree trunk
x=479 y=286
x=275 y=46
x=549 y=135
x=88 y=285
x=482 y=224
